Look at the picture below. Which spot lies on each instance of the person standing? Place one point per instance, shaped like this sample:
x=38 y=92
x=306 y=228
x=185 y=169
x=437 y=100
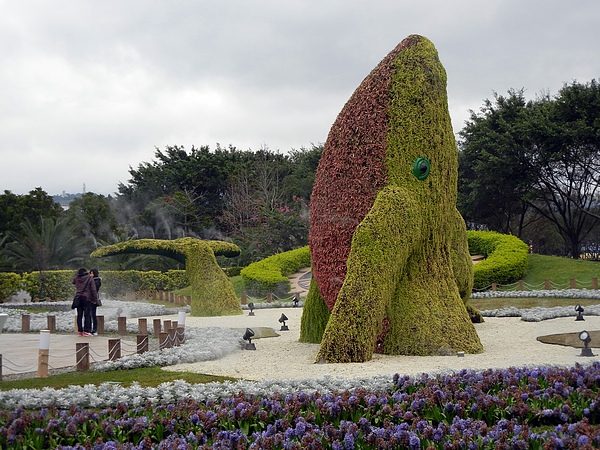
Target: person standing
x=98 y=282
x=86 y=291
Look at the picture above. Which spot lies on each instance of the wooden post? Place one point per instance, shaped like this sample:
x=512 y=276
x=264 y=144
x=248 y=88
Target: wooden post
x=166 y=325
x=142 y=343
x=269 y=297
x=43 y=357
x=51 y=323
x=114 y=349
x=494 y=286
x=172 y=332
x=143 y=325
x=188 y=300
x=82 y=354
x=547 y=285
x=163 y=337
x=594 y=283
x=244 y=299
x=154 y=295
x=25 y=323
x=100 y=329
x=157 y=327
x=573 y=283
x=122 y=326
x=171 y=297
x=44 y=354
x=180 y=335
x=520 y=285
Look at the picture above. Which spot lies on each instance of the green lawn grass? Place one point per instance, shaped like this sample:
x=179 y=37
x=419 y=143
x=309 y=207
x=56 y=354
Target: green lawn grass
x=147 y=377
x=560 y=270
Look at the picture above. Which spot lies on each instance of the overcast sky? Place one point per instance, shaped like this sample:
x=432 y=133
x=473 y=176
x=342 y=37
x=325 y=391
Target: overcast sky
x=89 y=88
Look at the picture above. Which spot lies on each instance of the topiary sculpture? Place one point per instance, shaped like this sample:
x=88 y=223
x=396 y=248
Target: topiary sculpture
x=212 y=292
x=389 y=250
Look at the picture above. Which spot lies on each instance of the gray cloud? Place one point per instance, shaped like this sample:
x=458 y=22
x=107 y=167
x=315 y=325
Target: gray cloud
x=90 y=88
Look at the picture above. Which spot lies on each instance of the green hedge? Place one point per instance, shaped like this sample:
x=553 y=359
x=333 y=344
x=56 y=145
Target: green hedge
x=10 y=284
x=506 y=258
x=270 y=274
x=58 y=283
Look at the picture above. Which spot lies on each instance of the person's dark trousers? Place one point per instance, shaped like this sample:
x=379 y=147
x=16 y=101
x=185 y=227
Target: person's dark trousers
x=87 y=318
x=94 y=318
x=80 y=313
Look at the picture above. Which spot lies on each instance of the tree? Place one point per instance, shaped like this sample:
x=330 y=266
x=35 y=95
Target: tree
x=495 y=171
x=567 y=131
x=541 y=156
x=15 y=209
x=304 y=163
x=52 y=246
x=199 y=175
x=93 y=218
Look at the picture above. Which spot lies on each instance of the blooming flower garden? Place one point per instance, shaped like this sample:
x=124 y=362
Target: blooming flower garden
x=515 y=408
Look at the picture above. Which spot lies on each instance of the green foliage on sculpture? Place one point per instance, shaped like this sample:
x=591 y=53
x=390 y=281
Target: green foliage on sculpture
x=212 y=292
x=315 y=315
x=389 y=249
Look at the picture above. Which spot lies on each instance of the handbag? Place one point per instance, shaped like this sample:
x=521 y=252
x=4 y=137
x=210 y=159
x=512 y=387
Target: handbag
x=76 y=302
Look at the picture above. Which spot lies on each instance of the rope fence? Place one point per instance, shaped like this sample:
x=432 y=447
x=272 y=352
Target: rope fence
x=546 y=285
x=168 y=334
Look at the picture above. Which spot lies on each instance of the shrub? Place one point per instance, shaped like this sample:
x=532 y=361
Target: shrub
x=506 y=258
x=58 y=283
x=270 y=274
x=10 y=284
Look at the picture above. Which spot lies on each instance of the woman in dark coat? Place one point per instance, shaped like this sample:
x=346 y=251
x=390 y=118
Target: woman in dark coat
x=86 y=290
x=98 y=282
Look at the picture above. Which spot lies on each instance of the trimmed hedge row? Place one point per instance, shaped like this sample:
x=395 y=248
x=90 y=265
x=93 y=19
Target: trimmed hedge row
x=58 y=283
x=270 y=274
x=10 y=283
x=506 y=258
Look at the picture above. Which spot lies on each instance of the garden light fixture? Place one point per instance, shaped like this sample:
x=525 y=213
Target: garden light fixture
x=251 y=308
x=579 y=310
x=584 y=337
x=282 y=320
x=248 y=337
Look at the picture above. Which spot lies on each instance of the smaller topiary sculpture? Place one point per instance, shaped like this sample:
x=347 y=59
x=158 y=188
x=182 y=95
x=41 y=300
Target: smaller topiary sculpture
x=212 y=292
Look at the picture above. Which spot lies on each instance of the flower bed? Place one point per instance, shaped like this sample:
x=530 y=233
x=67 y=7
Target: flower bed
x=514 y=408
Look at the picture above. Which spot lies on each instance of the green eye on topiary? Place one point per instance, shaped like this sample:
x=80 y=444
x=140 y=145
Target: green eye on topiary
x=421 y=168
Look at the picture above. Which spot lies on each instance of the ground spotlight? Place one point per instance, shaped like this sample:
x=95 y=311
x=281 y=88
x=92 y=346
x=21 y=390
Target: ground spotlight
x=584 y=337
x=248 y=337
x=579 y=310
x=282 y=320
x=295 y=300
x=251 y=308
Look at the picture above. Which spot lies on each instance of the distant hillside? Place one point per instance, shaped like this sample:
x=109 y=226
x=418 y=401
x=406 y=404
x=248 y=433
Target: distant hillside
x=65 y=199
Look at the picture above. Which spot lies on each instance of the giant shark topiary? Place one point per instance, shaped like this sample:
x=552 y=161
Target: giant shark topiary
x=389 y=249
x=212 y=292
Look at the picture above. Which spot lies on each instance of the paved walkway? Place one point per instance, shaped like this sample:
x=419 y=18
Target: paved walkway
x=20 y=351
